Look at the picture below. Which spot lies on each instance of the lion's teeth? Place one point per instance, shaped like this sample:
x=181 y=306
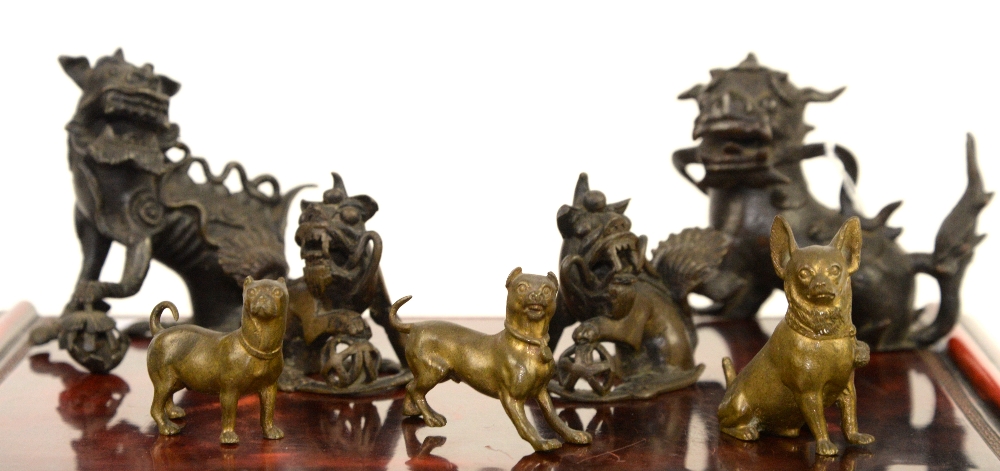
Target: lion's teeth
x=615 y=260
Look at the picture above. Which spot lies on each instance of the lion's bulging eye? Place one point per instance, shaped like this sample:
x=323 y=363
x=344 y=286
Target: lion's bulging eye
x=834 y=271
x=521 y=288
x=805 y=274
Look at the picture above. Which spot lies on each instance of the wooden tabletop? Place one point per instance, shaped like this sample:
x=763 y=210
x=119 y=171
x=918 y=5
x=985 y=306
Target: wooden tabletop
x=56 y=416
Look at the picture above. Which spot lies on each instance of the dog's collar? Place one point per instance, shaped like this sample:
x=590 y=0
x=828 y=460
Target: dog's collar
x=256 y=352
x=806 y=332
x=538 y=342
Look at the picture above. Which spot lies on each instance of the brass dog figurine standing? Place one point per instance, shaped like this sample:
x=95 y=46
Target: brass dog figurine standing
x=513 y=365
x=809 y=361
x=246 y=360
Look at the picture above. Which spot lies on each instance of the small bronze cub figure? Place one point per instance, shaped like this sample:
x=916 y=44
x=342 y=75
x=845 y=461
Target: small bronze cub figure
x=513 y=365
x=809 y=361
x=245 y=360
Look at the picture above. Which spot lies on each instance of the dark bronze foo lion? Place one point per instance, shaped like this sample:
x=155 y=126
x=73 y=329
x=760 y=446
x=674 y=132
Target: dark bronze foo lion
x=128 y=191
x=618 y=296
x=751 y=127
x=326 y=333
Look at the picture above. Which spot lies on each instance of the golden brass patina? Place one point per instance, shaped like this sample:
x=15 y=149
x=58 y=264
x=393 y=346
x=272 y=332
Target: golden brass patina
x=513 y=365
x=809 y=361
x=246 y=360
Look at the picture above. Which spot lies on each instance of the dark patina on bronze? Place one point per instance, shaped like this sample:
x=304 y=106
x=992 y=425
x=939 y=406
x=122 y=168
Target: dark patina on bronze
x=619 y=296
x=513 y=365
x=326 y=334
x=230 y=364
x=809 y=361
x=129 y=191
x=751 y=127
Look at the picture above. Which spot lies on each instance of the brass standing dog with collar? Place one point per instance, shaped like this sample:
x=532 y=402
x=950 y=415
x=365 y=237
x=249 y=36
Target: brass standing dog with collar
x=246 y=360
x=513 y=365
x=809 y=361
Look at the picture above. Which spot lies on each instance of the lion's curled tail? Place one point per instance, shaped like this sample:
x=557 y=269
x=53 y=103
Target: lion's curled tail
x=397 y=324
x=954 y=247
x=687 y=260
x=154 y=317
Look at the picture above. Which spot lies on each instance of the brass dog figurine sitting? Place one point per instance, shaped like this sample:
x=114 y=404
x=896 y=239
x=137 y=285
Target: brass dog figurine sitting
x=809 y=361
x=513 y=365
x=248 y=359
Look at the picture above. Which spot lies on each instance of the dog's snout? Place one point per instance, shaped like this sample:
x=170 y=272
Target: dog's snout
x=263 y=305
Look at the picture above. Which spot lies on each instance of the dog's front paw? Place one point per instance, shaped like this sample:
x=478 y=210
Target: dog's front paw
x=742 y=432
x=860 y=439
x=826 y=448
x=546 y=445
x=229 y=437
x=435 y=420
x=273 y=433
x=579 y=437
x=169 y=428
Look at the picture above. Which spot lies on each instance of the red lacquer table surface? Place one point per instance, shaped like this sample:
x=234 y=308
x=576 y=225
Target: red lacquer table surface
x=921 y=410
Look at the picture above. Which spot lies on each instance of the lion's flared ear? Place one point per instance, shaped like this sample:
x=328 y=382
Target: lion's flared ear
x=848 y=242
x=513 y=274
x=555 y=281
x=76 y=67
x=782 y=245
x=247 y=282
x=169 y=86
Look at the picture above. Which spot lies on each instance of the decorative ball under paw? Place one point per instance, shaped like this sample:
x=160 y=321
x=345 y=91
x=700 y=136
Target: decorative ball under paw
x=346 y=359
x=92 y=339
x=590 y=362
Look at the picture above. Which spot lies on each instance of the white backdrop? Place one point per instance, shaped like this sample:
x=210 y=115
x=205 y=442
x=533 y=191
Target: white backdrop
x=469 y=122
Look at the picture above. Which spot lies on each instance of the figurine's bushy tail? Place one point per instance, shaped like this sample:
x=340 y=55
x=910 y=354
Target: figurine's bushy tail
x=687 y=260
x=728 y=370
x=154 y=317
x=394 y=321
x=954 y=246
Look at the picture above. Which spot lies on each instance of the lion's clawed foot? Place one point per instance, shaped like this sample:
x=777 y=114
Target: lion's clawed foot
x=587 y=332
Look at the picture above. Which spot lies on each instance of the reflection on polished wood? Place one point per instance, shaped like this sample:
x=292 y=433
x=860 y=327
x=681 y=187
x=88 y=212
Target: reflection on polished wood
x=56 y=416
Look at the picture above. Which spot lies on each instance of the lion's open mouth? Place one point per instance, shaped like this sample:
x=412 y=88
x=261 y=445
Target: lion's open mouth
x=616 y=255
x=136 y=105
x=321 y=246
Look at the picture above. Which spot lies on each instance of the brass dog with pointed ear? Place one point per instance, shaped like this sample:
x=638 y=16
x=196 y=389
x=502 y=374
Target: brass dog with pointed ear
x=809 y=361
x=513 y=365
x=246 y=360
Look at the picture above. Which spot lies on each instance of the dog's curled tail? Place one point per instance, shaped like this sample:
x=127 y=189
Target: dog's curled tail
x=154 y=317
x=394 y=319
x=728 y=370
